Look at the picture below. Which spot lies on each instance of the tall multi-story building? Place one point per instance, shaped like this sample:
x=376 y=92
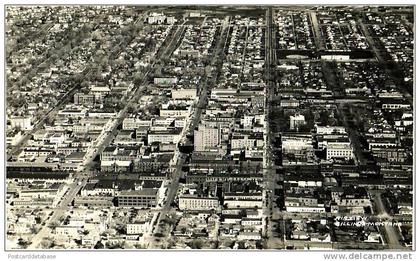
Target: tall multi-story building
x=339 y=150
x=206 y=138
x=147 y=197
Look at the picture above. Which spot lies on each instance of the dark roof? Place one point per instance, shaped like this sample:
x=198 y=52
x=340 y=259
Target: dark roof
x=354 y=192
x=36 y=175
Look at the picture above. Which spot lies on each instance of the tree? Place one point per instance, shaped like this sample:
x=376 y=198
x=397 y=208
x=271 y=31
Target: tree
x=196 y=244
x=121 y=229
x=140 y=246
x=99 y=245
x=54 y=225
x=241 y=245
x=323 y=118
x=34 y=230
x=47 y=243
x=137 y=78
x=23 y=243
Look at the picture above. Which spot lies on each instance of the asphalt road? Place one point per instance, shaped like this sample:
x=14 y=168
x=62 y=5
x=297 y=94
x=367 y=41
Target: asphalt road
x=317 y=31
x=269 y=175
x=179 y=158
x=58 y=212
x=391 y=233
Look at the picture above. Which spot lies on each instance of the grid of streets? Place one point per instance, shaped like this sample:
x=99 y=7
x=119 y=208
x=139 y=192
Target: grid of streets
x=209 y=127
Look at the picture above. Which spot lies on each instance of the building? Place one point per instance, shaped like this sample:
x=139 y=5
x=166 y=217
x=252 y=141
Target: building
x=243 y=141
x=14 y=139
x=165 y=136
x=351 y=197
x=165 y=81
x=395 y=106
x=289 y=103
x=70 y=231
x=339 y=150
x=191 y=202
x=296 y=121
x=330 y=130
x=154 y=164
x=251 y=222
x=243 y=200
x=94 y=201
x=303 y=203
x=335 y=57
x=156 y=19
x=182 y=112
x=39 y=193
x=100 y=90
x=102 y=188
x=206 y=138
x=23 y=123
x=116 y=165
x=134 y=123
x=296 y=143
x=36 y=152
x=249 y=236
x=145 y=198
x=184 y=94
x=170 y=20
x=393 y=154
x=139 y=227
x=72 y=113
x=85 y=99
x=114 y=153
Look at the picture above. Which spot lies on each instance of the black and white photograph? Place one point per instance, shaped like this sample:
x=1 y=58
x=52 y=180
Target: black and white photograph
x=195 y=127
